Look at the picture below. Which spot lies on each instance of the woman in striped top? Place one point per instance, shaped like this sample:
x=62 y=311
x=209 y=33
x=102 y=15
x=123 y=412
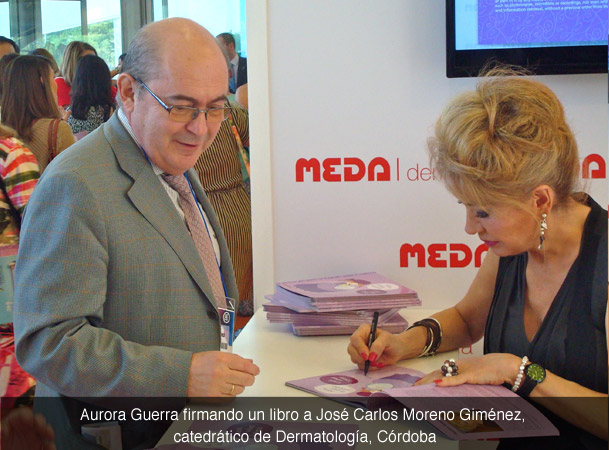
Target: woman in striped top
x=18 y=175
x=219 y=169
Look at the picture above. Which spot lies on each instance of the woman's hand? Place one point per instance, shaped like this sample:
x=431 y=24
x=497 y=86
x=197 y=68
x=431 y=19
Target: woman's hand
x=386 y=349
x=493 y=368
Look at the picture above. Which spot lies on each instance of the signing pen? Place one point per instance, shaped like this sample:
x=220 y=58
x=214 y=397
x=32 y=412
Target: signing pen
x=371 y=338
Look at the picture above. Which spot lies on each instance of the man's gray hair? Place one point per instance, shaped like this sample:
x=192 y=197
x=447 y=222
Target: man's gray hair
x=143 y=57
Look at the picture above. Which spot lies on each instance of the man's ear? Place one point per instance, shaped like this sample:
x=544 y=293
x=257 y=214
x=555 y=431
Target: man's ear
x=543 y=198
x=126 y=89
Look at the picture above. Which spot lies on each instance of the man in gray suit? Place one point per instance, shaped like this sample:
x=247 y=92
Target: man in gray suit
x=112 y=295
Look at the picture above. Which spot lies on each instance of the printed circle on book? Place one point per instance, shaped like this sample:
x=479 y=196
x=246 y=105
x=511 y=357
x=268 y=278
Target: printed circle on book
x=370 y=292
x=338 y=379
x=333 y=389
x=376 y=387
x=383 y=286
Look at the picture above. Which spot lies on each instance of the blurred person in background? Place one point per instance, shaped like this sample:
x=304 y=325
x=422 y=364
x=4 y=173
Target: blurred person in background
x=7 y=46
x=224 y=174
x=46 y=54
x=92 y=102
x=29 y=106
x=18 y=176
x=238 y=65
x=4 y=62
x=241 y=96
x=71 y=55
x=119 y=67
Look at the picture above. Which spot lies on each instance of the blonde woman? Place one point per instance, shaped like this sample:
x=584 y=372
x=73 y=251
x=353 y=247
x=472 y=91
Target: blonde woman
x=71 y=55
x=539 y=299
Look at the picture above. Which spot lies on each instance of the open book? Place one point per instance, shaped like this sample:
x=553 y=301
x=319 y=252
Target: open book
x=460 y=412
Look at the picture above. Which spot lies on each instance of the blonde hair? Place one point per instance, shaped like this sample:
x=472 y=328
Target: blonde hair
x=496 y=144
x=71 y=55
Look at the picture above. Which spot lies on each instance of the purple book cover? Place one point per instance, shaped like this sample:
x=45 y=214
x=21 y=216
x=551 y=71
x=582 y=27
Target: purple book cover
x=330 y=305
x=348 y=286
x=280 y=314
x=396 y=324
x=353 y=385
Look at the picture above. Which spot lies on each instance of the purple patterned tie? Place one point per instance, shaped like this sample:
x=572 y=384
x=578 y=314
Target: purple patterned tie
x=199 y=234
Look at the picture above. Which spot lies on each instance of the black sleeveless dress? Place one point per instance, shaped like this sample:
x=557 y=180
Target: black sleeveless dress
x=571 y=341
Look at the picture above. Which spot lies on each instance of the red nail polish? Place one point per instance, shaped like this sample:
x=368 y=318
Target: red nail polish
x=372 y=357
x=380 y=365
x=363 y=354
x=437 y=381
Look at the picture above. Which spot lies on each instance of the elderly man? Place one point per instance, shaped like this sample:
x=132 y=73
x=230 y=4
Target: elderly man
x=120 y=271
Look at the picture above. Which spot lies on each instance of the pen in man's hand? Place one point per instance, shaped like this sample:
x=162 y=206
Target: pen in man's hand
x=371 y=338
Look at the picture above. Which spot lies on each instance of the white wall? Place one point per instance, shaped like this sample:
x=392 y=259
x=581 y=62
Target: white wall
x=354 y=78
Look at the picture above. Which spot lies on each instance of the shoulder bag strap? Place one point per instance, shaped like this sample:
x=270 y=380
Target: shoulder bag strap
x=53 y=127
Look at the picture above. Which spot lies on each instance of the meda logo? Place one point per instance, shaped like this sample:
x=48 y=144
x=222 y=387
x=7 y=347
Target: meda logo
x=343 y=169
x=594 y=166
x=454 y=255
x=355 y=169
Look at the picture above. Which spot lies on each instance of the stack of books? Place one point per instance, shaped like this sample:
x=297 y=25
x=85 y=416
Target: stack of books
x=339 y=305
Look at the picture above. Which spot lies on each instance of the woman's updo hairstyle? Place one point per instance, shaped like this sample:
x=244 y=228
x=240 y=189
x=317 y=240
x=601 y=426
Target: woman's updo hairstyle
x=496 y=144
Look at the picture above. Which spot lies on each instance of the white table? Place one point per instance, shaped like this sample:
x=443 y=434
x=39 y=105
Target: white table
x=283 y=356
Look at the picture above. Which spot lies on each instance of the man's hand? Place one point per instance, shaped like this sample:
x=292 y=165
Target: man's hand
x=219 y=374
x=21 y=429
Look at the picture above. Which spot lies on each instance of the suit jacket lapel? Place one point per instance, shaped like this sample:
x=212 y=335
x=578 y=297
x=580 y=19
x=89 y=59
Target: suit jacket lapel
x=151 y=200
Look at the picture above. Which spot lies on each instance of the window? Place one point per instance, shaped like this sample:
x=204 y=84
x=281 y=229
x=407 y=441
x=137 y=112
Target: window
x=218 y=16
x=52 y=24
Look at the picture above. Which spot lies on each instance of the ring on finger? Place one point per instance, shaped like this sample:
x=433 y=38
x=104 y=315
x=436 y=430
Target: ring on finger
x=450 y=368
x=232 y=390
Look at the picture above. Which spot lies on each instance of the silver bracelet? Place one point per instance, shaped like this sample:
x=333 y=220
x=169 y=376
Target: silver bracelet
x=520 y=375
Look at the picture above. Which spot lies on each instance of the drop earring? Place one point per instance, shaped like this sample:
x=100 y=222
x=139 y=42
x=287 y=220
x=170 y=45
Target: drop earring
x=543 y=226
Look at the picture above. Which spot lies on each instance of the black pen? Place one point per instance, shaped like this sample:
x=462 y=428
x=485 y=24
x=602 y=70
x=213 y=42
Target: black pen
x=371 y=338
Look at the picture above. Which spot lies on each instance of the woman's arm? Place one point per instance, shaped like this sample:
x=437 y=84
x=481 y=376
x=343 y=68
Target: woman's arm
x=564 y=398
x=19 y=173
x=462 y=325
x=65 y=137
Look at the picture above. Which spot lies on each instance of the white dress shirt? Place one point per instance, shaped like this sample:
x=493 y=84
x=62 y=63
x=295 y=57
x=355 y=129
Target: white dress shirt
x=173 y=194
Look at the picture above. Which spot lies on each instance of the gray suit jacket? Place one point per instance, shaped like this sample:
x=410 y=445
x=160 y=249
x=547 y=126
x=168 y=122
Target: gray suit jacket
x=111 y=297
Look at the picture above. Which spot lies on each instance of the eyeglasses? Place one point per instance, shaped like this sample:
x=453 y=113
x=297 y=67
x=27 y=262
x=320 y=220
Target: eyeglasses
x=188 y=113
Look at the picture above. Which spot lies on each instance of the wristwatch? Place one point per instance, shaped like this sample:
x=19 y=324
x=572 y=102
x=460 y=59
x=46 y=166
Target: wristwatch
x=533 y=375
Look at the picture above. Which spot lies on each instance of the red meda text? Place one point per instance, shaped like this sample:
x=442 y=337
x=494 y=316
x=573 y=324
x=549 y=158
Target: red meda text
x=436 y=256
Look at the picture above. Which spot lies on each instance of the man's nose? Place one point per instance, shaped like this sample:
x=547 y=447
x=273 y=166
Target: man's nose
x=198 y=125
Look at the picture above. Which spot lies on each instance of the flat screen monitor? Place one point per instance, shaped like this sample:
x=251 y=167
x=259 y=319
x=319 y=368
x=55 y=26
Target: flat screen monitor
x=545 y=36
